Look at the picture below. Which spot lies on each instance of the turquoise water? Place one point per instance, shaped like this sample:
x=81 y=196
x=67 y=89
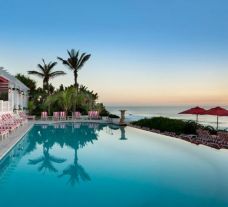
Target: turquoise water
x=103 y=165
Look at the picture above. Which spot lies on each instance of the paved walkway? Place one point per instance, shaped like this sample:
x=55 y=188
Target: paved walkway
x=9 y=142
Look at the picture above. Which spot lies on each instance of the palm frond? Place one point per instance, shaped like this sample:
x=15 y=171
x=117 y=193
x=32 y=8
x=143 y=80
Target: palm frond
x=41 y=67
x=33 y=72
x=83 y=60
x=56 y=73
x=65 y=62
x=52 y=65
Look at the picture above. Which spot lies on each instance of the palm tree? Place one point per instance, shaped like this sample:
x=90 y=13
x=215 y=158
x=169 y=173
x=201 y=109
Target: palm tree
x=46 y=72
x=75 y=62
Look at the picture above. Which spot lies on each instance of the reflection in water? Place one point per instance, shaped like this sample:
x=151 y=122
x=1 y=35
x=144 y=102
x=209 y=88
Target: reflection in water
x=9 y=163
x=122 y=130
x=74 y=136
x=46 y=161
x=75 y=171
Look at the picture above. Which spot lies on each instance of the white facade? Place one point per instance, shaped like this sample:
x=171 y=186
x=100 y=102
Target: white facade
x=17 y=93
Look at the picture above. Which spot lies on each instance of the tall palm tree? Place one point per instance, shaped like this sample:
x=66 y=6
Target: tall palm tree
x=46 y=72
x=75 y=62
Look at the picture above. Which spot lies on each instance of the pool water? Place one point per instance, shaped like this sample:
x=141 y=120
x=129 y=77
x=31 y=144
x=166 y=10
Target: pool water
x=88 y=164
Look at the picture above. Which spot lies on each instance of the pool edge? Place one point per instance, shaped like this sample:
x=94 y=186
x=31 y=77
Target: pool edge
x=23 y=133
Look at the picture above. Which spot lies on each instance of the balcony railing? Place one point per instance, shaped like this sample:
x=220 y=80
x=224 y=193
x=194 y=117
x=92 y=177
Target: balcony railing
x=5 y=106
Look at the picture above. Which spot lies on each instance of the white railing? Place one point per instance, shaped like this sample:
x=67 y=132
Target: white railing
x=5 y=106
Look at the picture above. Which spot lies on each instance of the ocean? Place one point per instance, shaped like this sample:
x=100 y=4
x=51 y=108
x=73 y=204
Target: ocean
x=134 y=113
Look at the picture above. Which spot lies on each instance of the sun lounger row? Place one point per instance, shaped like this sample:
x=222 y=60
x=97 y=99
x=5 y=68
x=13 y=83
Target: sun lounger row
x=63 y=116
x=10 y=122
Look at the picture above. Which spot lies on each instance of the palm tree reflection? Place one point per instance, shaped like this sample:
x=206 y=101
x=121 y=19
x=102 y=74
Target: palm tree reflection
x=75 y=136
x=46 y=138
x=46 y=161
x=82 y=136
x=75 y=172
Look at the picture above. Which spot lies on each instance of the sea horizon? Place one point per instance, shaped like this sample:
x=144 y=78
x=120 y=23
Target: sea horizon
x=134 y=113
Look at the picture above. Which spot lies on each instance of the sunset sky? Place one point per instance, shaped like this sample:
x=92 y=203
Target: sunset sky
x=144 y=52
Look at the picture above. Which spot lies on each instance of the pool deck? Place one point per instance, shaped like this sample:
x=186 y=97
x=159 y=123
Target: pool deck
x=6 y=144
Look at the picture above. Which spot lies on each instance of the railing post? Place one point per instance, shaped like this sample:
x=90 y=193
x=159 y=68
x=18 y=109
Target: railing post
x=1 y=105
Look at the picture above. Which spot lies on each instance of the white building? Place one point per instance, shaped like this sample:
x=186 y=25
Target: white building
x=13 y=93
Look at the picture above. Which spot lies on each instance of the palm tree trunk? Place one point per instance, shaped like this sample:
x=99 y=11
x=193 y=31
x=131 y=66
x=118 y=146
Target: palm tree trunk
x=76 y=79
x=44 y=84
x=75 y=156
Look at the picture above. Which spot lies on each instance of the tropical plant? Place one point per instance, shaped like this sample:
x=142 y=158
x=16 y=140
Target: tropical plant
x=68 y=100
x=169 y=125
x=75 y=62
x=65 y=99
x=30 y=83
x=89 y=97
x=46 y=72
x=31 y=106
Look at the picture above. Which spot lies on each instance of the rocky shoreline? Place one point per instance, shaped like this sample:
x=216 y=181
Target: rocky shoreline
x=215 y=141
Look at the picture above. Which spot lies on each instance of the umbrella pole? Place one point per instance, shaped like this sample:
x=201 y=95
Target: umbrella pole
x=197 y=118
x=217 y=123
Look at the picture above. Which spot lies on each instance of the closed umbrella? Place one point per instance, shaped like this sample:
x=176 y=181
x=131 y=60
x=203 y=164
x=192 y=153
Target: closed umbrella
x=217 y=111
x=195 y=111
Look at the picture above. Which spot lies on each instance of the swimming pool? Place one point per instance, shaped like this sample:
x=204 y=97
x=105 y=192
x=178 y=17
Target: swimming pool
x=88 y=164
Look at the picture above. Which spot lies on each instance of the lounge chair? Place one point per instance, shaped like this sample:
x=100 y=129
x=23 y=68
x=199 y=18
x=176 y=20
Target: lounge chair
x=207 y=139
x=223 y=136
x=93 y=115
x=62 y=115
x=4 y=133
x=44 y=115
x=55 y=116
x=23 y=116
x=76 y=115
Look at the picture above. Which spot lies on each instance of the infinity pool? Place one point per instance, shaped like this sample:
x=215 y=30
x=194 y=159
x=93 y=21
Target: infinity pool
x=103 y=165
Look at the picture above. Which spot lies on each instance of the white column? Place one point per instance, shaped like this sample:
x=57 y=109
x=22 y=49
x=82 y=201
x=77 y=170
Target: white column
x=16 y=99
x=20 y=99
x=12 y=99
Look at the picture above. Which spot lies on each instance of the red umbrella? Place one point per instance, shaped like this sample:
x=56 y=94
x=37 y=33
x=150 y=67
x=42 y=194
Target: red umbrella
x=196 y=110
x=217 y=111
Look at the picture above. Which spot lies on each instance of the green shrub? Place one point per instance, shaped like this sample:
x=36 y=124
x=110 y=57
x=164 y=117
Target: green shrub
x=169 y=125
x=113 y=116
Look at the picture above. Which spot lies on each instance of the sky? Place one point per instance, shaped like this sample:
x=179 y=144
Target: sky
x=144 y=52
